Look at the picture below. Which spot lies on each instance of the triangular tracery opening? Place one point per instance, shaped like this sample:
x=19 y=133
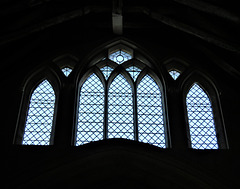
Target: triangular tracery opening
x=66 y=71
x=134 y=72
x=175 y=74
x=106 y=70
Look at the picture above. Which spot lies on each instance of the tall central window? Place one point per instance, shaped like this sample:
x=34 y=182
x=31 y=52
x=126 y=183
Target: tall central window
x=120 y=99
x=120 y=109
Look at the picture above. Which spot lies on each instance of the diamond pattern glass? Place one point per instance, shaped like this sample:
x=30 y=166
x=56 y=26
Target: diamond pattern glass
x=150 y=113
x=175 y=74
x=200 y=117
x=38 y=126
x=134 y=72
x=91 y=111
x=106 y=70
x=66 y=71
x=120 y=109
x=120 y=56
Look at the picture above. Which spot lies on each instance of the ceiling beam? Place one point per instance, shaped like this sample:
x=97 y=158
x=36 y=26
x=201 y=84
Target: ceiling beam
x=192 y=31
x=45 y=24
x=117 y=25
x=117 y=18
x=210 y=9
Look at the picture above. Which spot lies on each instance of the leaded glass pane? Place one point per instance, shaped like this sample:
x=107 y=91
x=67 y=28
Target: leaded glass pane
x=106 y=70
x=120 y=109
x=66 y=71
x=200 y=117
x=150 y=113
x=175 y=74
x=91 y=111
x=134 y=72
x=40 y=115
x=120 y=56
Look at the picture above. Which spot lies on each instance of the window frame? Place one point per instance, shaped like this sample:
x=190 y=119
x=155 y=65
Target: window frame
x=154 y=76
x=29 y=86
x=210 y=89
x=93 y=70
x=121 y=69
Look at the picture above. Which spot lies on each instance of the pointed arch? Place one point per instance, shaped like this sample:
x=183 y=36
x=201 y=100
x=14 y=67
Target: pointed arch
x=102 y=51
x=200 y=119
x=150 y=112
x=120 y=109
x=204 y=120
x=120 y=83
x=39 y=123
x=42 y=84
x=91 y=111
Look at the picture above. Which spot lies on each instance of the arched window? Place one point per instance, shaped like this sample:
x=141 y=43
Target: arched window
x=120 y=109
x=200 y=119
x=121 y=99
x=150 y=113
x=91 y=111
x=119 y=96
x=38 y=127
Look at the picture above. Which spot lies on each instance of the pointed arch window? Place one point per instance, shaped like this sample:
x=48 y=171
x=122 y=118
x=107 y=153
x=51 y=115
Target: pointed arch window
x=150 y=113
x=200 y=118
x=91 y=111
x=128 y=101
x=120 y=109
x=39 y=123
x=121 y=97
